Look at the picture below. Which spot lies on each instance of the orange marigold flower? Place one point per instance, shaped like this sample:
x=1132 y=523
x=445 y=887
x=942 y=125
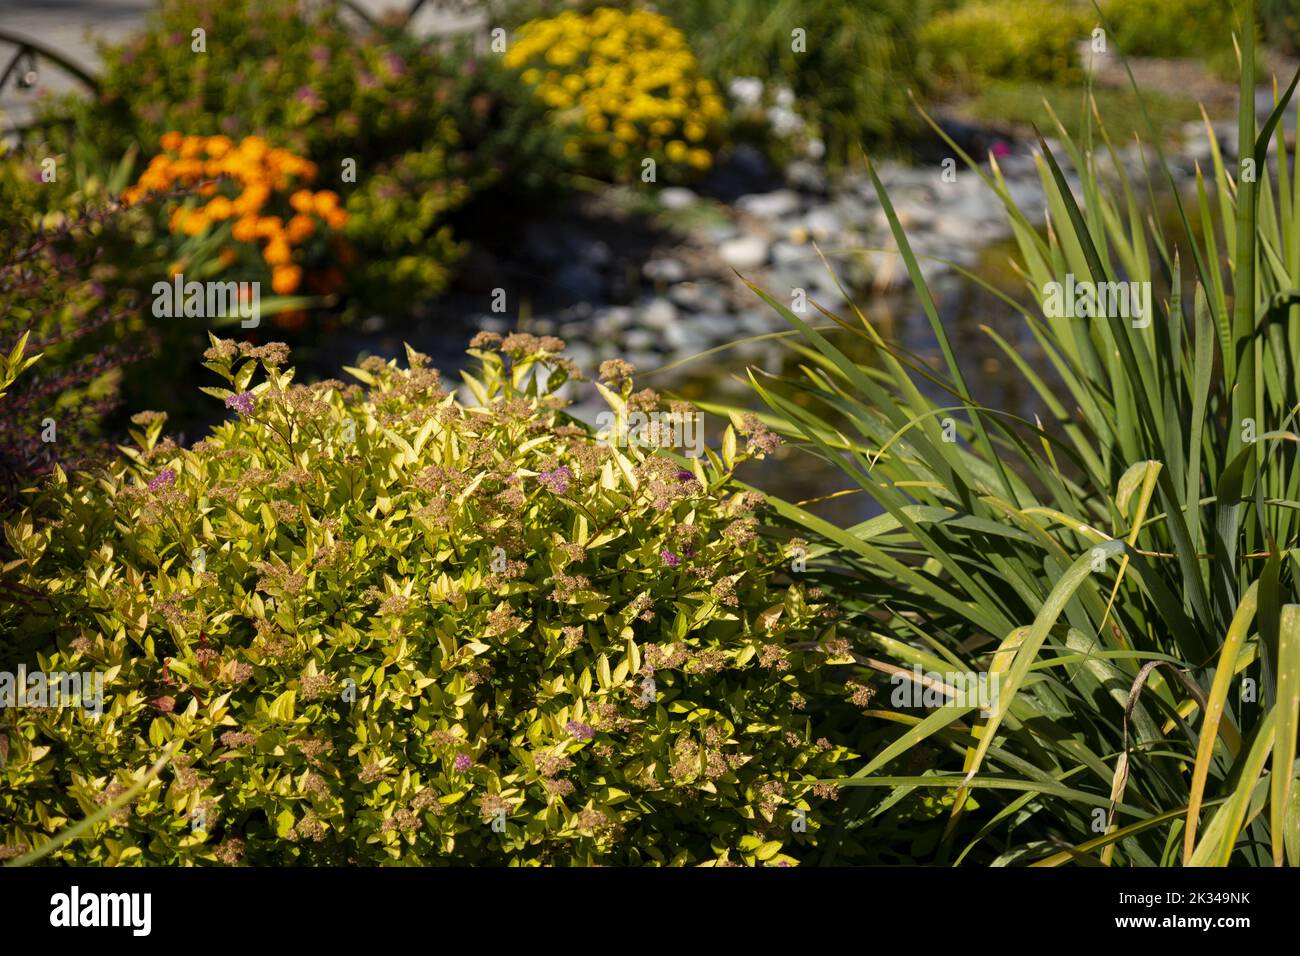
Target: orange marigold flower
x=254 y=147
x=325 y=202
x=245 y=229
x=190 y=169
x=279 y=159
x=269 y=227
x=218 y=146
x=277 y=252
x=154 y=182
x=257 y=194
x=285 y=279
x=227 y=256
x=258 y=171
x=194 y=223
x=219 y=209
x=291 y=165
x=300 y=227
x=251 y=200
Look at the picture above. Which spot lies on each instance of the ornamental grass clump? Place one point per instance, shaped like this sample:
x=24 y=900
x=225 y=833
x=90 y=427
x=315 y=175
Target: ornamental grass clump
x=1125 y=565
x=376 y=623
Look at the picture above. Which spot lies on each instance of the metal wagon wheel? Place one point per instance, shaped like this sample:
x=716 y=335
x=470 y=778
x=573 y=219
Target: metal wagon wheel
x=22 y=69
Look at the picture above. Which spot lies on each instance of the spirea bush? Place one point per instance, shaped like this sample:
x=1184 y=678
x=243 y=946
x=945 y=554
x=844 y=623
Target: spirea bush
x=378 y=624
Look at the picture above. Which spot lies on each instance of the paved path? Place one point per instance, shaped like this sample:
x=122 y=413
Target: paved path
x=73 y=27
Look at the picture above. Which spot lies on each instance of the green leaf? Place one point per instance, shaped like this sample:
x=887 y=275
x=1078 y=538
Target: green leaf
x=1287 y=710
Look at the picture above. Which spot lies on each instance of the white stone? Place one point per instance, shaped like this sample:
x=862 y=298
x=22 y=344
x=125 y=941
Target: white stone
x=658 y=314
x=664 y=270
x=675 y=197
x=773 y=205
x=744 y=252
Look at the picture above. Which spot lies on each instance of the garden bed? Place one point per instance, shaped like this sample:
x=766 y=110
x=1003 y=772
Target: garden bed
x=647 y=436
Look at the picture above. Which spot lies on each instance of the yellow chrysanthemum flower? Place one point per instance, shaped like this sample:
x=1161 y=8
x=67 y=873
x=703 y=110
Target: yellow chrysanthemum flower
x=630 y=81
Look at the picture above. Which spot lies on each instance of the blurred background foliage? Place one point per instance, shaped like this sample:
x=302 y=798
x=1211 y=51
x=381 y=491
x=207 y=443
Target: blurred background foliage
x=433 y=143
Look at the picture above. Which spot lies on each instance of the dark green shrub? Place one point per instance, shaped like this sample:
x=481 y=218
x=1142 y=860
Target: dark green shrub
x=397 y=224
x=1030 y=40
x=853 y=78
x=368 y=619
x=1280 y=20
x=1156 y=28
